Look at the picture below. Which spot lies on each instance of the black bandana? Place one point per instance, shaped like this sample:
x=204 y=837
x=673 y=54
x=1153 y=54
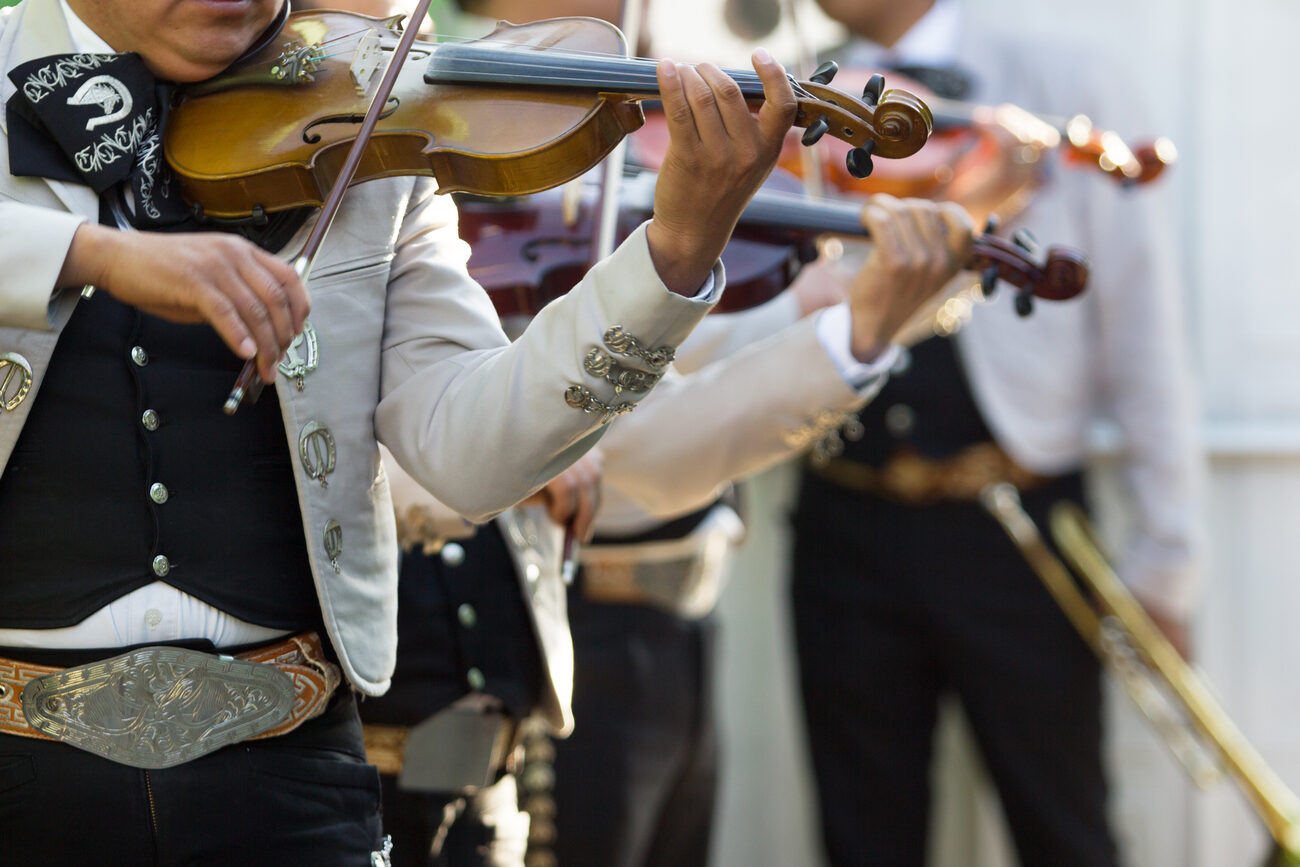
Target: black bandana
x=105 y=113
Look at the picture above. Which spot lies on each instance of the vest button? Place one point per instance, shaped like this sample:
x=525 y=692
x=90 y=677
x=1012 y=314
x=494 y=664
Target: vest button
x=475 y=679
x=161 y=566
x=900 y=420
x=139 y=356
x=453 y=554
x=158 y=493
x=149 y=419
x=467 y=615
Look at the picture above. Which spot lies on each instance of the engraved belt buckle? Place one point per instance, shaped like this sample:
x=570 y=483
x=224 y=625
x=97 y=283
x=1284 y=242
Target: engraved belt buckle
x=158 y=706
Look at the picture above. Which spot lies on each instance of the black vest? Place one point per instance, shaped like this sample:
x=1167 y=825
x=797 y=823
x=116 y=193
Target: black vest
x=927 y=407
x=128 y=472
x=462 y=624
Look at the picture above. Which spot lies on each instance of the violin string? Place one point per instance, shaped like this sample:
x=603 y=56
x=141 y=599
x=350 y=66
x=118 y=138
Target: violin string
x=635 y=66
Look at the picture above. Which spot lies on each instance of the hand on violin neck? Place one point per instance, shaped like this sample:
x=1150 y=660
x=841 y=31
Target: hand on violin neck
x=718 y=156
x=255 y=302
x=918 y=247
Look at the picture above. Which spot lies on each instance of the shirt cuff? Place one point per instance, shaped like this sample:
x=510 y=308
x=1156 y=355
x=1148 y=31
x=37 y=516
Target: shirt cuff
x=834 y=331
x=706 y=292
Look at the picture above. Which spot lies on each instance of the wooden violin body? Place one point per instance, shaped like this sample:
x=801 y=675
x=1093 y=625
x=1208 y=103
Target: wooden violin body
x=525 y=109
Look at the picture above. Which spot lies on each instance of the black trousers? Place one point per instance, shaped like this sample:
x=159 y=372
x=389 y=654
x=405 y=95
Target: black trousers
x=307 y=797
x=482 y=829
x=635 y=784
x=893 y=607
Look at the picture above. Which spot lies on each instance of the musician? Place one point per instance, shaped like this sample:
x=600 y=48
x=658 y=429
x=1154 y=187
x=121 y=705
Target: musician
x=741 y=415
x=137 y=513
x=904 y=589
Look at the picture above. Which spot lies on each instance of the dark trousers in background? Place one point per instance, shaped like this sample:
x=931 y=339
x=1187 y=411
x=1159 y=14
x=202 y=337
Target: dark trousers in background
x=307 y=797
x=636 y=782
x=483 y=829
x=895 y=606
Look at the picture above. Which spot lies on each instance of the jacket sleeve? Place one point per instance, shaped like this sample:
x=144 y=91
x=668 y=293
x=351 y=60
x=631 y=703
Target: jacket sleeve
x=735 y=417
x=483 y=423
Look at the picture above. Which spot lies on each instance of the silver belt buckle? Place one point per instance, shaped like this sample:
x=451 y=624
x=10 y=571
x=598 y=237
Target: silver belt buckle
x=158 y=706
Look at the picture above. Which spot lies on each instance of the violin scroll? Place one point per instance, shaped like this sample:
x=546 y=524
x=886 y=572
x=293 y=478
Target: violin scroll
x=1062 y=274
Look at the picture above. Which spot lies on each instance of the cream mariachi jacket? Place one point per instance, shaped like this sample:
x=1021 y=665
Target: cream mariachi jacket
x=699 y=429
x=408 y=352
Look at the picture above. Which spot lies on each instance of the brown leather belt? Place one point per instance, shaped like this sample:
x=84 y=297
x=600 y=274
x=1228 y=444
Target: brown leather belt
x=299 y=657
x=915 y=480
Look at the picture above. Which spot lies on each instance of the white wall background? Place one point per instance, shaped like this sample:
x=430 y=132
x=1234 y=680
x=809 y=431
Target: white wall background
x=1219 y=78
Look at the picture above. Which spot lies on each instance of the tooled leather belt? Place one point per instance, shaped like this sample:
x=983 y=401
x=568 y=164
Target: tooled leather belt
x=915 y=480
x=155 y=707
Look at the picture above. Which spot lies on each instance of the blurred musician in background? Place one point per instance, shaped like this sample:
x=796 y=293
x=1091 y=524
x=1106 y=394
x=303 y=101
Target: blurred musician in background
x=483 y=640
x=903 y=588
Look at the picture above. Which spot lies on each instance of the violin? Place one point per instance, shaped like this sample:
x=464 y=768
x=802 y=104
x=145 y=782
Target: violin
x=527 y=252
x=958 y=144
x=522 y=110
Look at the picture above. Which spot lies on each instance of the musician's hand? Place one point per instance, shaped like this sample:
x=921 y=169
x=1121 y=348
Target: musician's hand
x=918 y=246
x=719 y=155
x=819 y=284
x=574 y=495
x=254 y=301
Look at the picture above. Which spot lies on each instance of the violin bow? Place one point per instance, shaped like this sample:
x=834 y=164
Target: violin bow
x=248 y=387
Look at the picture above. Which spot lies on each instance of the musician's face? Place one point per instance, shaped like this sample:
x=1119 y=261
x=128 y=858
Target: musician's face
x=883 y=21
x=181 y=40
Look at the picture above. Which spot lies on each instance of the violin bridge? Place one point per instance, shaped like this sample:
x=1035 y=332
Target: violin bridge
x=365 y=61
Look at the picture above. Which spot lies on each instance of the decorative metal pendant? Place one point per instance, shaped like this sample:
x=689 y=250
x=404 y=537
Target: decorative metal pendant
x=302 y=356
x=317 y=450
x=12 y=393
x=334 y=543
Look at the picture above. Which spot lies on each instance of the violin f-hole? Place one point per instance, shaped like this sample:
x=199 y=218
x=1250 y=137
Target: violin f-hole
x=312 y=138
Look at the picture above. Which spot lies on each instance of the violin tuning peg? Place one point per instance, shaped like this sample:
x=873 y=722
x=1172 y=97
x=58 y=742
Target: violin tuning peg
x=825 y=73
x=1025 y=240
x=989 y=280
x=875 y=87
x=1024 y=303
x=991 y=224
x=816 y=130
x=858 y=161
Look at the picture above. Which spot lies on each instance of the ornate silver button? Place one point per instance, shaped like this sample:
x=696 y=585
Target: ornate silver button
x=161 y=566
x=149 y=418
x=900 y=419
x=139 y=356
x=467 y=616
x=475 y=679
x=453 y=554
x=158 y=493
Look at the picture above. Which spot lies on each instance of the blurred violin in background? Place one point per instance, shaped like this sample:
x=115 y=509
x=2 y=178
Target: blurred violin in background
x=987 y=158
x=528 y=251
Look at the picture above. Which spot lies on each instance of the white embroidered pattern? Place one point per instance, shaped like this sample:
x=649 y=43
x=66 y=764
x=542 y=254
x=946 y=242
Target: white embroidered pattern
x=109 y=94
x=47 y=79
x=112 y=146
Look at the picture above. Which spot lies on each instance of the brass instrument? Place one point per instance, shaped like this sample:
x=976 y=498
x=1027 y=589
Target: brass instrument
x=1165 y=688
